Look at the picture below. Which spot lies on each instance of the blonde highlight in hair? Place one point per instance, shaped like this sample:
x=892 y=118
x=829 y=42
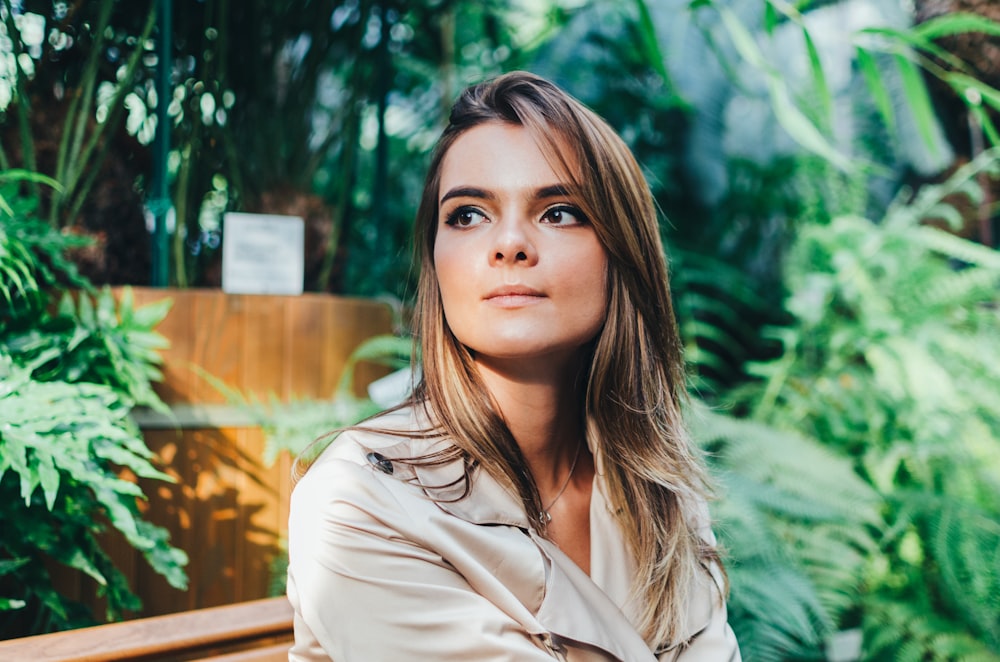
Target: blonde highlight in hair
x=635 y=377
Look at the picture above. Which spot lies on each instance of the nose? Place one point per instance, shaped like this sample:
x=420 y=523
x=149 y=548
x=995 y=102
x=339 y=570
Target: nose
x=513 y=245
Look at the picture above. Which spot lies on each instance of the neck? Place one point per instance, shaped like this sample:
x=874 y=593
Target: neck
x=542 y=407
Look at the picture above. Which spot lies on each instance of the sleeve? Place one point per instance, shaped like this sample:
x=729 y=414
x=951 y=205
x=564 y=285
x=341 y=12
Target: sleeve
x=363 y=590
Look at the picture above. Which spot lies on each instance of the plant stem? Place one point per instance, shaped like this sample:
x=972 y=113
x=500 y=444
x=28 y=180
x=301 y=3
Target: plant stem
x=57 y=196
x=181 y=206
x=228 y=142
x=23 y=102
x=69 y=167
x=348 y=162
x=115 y=106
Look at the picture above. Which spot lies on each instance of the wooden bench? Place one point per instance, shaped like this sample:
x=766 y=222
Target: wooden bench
x=257 y=631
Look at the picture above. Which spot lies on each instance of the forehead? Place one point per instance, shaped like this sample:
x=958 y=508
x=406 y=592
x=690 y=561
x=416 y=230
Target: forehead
x=502 y=155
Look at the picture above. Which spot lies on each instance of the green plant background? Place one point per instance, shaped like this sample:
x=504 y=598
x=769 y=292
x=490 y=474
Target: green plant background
x=72 y=367
x=820 y=181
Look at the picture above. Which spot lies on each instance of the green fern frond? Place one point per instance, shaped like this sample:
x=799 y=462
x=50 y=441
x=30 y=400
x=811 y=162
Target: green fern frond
x=719 y=317
x=798 y=524
x=973 y=285
x=907 y=630
x=786 y=460
x=909 y=211
x=967 y=547
x=792 y=625
x=957 y=248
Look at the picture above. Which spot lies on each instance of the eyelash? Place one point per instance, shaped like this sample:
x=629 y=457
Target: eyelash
x=575 y=212
x=453 y=216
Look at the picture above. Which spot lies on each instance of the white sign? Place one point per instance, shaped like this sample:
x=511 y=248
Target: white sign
x=262 y=254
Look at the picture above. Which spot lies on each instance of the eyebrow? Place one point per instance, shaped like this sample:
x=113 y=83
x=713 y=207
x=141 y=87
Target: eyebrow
x=553 y=191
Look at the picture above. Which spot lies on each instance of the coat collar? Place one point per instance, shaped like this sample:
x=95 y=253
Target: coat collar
x=487 y=501
x=574 y=608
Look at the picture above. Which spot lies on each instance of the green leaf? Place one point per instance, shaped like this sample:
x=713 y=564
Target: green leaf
x=788 y=114
x=107 y=309
x=963 y=85
x=151 y=314
x=986 y=122
x=85 y=310
x=771 y=18
x=743 y=41
x=801 y=129
x=956 y=23
x=820 y=86
x=918 y=99
x=20 y=175
x=48 y=478
x=10 y=565
x=650 y=43
x=877 y=88
x=389 y=350
x=824 y=98
x=76 y=558
x=162 y=557
x=905 y=42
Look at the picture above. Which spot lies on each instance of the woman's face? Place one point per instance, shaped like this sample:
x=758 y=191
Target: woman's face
x=520 y=269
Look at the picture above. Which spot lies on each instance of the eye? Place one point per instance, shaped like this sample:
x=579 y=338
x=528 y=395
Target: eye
x=465 y=217
x=564 y=215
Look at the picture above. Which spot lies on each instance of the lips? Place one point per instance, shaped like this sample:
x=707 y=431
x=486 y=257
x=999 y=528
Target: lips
x=513 y=292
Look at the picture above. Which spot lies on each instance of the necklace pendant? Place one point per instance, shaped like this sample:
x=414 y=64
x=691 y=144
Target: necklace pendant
x=546 y=517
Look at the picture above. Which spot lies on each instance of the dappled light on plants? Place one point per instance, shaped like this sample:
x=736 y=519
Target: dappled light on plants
x=825 y=172
x=70 y=373
x=891 y=363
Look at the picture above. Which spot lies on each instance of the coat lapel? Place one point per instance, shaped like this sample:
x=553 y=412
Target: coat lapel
x=574 y=608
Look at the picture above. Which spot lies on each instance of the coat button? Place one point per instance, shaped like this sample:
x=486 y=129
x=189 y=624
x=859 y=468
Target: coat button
x=379 y=462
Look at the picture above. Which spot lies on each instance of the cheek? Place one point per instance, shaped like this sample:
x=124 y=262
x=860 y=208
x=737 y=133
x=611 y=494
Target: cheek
x=591 y=294
x=602 y=299
x=598 y=280
x=453 y=278
x=445 y=269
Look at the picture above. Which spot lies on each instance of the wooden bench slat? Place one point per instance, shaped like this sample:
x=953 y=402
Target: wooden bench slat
x=174 y=636
x=275 y=653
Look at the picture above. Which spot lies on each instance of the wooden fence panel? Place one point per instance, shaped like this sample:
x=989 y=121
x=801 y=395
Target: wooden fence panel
x=228 y=510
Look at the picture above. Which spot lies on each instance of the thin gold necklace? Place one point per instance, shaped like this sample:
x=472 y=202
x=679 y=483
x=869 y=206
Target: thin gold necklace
x=546 y=517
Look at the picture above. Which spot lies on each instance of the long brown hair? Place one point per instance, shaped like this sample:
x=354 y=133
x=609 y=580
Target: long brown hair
x=635 y=378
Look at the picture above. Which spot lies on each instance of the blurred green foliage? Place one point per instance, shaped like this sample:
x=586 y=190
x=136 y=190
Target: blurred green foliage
x=889 y=363
x=71 y=370
x=842 y=348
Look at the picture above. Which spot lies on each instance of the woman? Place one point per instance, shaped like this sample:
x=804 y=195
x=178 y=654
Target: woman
x=537 y=497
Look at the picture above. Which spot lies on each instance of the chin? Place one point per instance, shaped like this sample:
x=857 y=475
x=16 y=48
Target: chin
x=527 y=351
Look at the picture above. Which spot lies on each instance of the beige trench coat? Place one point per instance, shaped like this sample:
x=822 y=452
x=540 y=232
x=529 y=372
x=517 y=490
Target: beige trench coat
x=379 y=571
